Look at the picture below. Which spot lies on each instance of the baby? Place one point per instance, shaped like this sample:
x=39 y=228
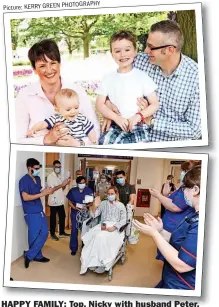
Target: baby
x=123 y=87
x=67 y=111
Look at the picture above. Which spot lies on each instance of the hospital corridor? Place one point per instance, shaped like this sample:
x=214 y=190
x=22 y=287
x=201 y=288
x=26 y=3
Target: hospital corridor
x=140 y=268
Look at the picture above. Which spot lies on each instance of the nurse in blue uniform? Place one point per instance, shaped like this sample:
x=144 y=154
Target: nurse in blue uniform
x=178 y=210
x=171 y=219
x=179 y=248
x=76 y=197
x=30 y=191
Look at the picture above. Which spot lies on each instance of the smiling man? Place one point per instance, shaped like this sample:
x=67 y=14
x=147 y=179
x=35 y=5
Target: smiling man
x=176 y=76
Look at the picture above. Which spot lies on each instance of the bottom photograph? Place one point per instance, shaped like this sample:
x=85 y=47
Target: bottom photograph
x=106 y=220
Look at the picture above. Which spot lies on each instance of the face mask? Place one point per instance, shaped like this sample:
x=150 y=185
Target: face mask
x=103 y=180
x=57 y=170
x=188 y=201
x=182 y=175
x=111 y=197
x=120 y=180
x=81 y=186
x=36 y=172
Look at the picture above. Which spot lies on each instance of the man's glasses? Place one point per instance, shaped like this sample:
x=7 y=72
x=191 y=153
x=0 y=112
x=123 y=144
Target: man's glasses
x=159 y=47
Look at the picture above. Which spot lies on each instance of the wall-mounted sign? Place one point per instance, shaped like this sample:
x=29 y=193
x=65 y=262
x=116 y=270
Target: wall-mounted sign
x=105 y=157
x=143 y=198
x=176 y=162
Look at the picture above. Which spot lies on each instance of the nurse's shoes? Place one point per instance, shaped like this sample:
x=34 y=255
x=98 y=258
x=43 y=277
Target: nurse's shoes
x=44 y=259
x=54 y=237
x=64 y=235
x=26 y=261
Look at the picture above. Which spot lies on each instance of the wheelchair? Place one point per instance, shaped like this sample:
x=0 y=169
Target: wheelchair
x=92 y=222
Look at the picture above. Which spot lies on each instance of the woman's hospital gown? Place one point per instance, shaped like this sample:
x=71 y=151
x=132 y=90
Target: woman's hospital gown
x=101 y=246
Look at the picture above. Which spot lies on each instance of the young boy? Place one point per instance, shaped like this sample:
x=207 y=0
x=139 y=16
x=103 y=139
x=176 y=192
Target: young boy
x=123 y=87
x=67 y=111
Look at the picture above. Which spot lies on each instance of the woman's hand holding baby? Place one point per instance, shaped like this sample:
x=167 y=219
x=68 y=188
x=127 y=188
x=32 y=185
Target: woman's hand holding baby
x=55 y=134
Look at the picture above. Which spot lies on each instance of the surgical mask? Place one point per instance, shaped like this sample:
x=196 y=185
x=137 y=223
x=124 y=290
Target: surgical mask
x=182 y=175
x=81 y=186
x=111 y=197
x=36 y=172
x=103 y=180
x=120 y=180
x=57 y=170
x=188 y=202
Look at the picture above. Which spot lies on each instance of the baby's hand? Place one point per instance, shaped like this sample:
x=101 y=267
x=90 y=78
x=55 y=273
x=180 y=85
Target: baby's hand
x=30 y=132
x=133 y=121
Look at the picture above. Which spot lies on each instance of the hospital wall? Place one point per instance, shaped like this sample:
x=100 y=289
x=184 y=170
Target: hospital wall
x=19 y=235
x=67 y=162
x=152 y=173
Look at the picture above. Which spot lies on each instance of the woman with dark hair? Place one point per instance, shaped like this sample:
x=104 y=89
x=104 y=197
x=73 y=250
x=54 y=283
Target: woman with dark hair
x=175 y=204
x=102 y=243
x=179 y=248
x=35 y=102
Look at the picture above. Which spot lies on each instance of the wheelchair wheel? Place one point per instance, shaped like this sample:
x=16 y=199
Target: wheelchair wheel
x=110 y=274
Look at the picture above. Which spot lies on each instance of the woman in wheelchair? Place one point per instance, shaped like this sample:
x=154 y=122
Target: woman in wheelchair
x=102 y=242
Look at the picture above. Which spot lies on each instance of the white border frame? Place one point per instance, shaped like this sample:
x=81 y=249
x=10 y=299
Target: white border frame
x=114 y=10
x=85 y=287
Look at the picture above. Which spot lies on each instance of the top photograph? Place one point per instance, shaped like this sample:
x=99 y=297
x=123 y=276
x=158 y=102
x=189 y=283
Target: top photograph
x=124 y=77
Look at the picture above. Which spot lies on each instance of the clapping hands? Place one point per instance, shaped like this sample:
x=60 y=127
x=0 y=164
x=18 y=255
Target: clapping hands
x=151 y=226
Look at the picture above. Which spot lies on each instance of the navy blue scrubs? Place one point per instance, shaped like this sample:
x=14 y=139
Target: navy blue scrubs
x=76 y=196
x=172 y=219
x=184 y=239
x=34 y=217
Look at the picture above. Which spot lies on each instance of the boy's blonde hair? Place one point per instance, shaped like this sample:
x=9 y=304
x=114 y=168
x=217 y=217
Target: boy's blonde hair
x=123 y=34
x=65 y=92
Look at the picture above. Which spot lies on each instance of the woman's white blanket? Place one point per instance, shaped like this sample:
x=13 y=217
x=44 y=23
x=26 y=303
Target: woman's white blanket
x=100 y=247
